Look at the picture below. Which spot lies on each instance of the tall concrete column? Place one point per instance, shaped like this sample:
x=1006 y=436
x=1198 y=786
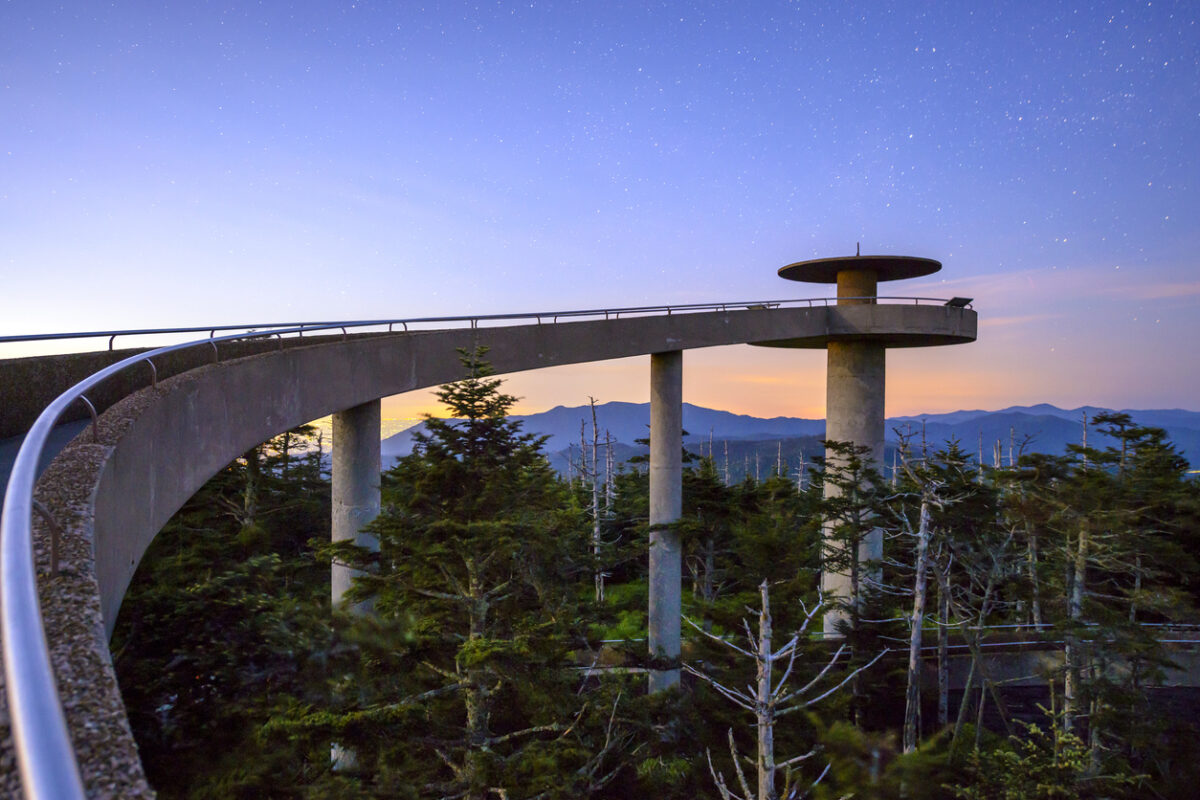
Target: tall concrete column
x=666 y=506
x=854 y=390
x=854 y=402
x=356 y=468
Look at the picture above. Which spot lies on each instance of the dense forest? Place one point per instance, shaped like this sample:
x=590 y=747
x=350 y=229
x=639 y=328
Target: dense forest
x=494 y=647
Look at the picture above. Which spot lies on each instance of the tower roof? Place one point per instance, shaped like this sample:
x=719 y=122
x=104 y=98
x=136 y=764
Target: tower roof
x=886 y=268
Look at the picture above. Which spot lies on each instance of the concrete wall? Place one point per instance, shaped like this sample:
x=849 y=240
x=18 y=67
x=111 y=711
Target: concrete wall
x=892 y=325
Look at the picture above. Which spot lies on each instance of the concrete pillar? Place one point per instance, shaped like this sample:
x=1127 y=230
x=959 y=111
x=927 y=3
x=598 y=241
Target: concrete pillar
x=356 y=468
x=666 y=506
x=854 y=400
x=854 y=286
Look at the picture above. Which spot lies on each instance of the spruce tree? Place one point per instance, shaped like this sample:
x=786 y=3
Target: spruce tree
x=465 y=690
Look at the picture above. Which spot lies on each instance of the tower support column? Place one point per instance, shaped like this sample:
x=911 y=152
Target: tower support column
x=855 y=386
x=854 y=403
x=356 y=468
x=666 y=506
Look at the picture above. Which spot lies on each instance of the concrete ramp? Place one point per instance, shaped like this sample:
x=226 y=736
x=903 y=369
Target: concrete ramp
x=157 y=446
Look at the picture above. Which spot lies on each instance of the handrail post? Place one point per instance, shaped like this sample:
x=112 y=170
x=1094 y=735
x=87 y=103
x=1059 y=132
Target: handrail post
x=95 y=421
x=55 y=535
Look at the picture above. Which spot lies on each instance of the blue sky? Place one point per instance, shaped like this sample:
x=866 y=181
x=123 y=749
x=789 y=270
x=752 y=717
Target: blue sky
x=208 y=163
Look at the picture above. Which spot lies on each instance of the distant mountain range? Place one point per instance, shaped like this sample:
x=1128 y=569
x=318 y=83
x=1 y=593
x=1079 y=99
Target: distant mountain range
x=1045 y=428
x=751 y=445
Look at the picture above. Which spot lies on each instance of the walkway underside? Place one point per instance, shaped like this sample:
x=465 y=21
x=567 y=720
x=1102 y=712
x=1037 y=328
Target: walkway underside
x=157 y=447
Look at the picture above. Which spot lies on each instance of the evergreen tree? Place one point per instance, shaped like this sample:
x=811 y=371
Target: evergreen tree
x=852 y=511
x=481 y=560
x=706 y=530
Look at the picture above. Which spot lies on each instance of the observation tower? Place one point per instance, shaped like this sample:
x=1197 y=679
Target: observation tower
x=859 y=332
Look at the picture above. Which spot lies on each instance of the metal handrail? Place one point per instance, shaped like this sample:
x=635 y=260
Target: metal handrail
x=43 y=745
x=607 y=313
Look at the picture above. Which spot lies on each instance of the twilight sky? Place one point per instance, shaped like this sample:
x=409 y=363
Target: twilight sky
x=206 y=163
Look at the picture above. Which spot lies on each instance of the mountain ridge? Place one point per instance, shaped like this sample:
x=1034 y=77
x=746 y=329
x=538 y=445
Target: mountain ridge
x=1041 y=427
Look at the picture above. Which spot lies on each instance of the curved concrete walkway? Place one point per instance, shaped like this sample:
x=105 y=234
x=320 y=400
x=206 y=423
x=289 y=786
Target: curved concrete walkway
x=158 y=446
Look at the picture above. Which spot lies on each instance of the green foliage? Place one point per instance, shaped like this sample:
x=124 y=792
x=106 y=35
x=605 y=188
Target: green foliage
x=1042 y=764
x=623 y=615
x=467 y=677
x=480 y=555
x=869 y=765
x=853 y=507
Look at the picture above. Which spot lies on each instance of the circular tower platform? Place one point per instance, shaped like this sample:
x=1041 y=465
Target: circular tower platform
x=886 y=268
x=860 y=318
x=858 y=276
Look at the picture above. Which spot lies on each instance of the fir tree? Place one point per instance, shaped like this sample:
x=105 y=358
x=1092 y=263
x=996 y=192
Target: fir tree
x=481 y=557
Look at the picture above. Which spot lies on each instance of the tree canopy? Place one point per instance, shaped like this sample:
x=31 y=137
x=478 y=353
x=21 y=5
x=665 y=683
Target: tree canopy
x=490 y=667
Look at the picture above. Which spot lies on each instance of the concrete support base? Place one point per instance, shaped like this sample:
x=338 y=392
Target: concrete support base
x=854 y=401
x=666 y=506
x=356 y=468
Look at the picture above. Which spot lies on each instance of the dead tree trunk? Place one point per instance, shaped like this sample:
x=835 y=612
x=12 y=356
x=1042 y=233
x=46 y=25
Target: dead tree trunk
x=1075 y=612
x=608 y=472
x=765 y=705
x=595 y=477
x=1034 y=583
x=981 y=455
x=769 y=699
x=912 y=698
x=943 y=661
x=1075 y=615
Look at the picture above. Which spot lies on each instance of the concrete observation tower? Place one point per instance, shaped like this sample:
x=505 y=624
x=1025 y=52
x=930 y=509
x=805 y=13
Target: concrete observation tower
x=859 y=333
